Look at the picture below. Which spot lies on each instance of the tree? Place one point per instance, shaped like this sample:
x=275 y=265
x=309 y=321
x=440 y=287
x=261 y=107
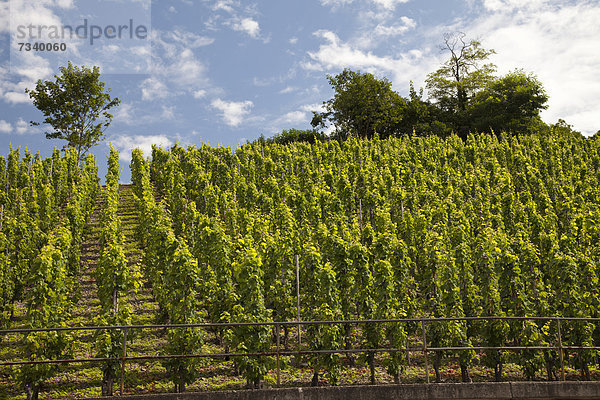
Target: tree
x=511 y=103
x=421 y=116
x=461 y=76
x=75 y=105
x=362 y=104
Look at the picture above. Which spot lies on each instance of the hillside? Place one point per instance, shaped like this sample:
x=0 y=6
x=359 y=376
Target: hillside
x=379 y=229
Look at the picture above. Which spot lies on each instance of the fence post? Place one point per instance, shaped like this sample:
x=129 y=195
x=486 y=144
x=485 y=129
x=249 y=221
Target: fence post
x=298 y=308
x=123 y=360
x=560 y=351
x=425 y=351
x=278 y=366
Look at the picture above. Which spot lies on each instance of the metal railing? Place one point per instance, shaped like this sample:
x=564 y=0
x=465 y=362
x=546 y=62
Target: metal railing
x=279 y=352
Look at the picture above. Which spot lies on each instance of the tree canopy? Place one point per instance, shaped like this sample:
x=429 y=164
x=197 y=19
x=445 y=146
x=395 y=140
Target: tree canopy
x=76 y=105
x=362 y=104
x=511 y=103
x=464 y=96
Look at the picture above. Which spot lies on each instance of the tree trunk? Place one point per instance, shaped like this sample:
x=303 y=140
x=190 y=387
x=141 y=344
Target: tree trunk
x=498 y=372
x=286 y=338
x=551 y=374
x=464 y=371
x=436 y=366
x=585 y=369
x=32 y=392
x=315 y=379
x=348 y=345
x=372 y=366
x=107 y=383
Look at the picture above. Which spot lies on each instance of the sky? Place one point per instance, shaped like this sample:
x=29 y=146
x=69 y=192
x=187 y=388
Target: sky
x=224 y=72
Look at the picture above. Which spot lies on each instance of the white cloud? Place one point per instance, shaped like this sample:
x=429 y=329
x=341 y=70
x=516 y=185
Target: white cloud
x=153 y=88
x=22 y=127
x=168 y=112
x=395 y=30
x=233 y=112
x=386 y=4
x=24 y=74
x=288 y=89
x=293 y=117
x=225 y=5
x=335 y=55
x=188 y=39
x=176 y=69
x=558 y=42
x=318 y=107
x=198 y=94
x=247 y=25
x=293 y=40
x=125 y=144
x=124 y=114
x=5 y=127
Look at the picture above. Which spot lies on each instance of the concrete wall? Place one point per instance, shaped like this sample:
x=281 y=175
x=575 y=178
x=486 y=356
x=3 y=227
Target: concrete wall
x=466 y=391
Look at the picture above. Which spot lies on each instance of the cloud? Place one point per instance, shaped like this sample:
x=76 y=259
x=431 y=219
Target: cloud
x=5 y=127
x=395 y=30
x=24 y=74
x=168 y=112
x=288 y=89
x=292 y=117
x=21 y=127
x=176 y=69
x=335 y=55
x=188 y=39
x=153 y=88
x=124 y=114
x=318 y=107
x=385 y=4
x=198 y=94
x=247 y=25
x=233 y=112
x=125 y=144
x=561 y=48
x=225 y=5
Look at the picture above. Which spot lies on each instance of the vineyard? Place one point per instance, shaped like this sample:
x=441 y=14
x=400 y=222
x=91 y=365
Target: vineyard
x=394 y=229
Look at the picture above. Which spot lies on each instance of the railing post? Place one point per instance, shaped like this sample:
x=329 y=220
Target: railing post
x=560 y=351
x=298 y=308
x=278 y=365
x=123 y=360
x=425 y=351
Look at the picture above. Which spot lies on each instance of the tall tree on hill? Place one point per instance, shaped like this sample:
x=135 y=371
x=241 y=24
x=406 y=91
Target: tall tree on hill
x=75 y=105
x=463 y=74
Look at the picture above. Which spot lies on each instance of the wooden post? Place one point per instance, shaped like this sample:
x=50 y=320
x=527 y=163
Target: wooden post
x=278 y=365
x=560 y=351
x=298 y=305
x=425 y=351
x=123 y=360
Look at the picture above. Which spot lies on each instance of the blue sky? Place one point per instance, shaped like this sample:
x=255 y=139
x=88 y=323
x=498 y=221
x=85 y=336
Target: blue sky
x=226 y=71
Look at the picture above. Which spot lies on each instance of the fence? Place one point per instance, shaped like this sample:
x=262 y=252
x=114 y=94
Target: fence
x=279 y=352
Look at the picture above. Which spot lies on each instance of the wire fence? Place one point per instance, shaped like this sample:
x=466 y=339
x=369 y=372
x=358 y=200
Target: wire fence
x=279 y=352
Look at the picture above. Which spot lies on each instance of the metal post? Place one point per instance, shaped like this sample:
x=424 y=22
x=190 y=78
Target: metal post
x=123 y=360
x=425 y=351
x=278 y=365
x=560 y=351
x=298 y=305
